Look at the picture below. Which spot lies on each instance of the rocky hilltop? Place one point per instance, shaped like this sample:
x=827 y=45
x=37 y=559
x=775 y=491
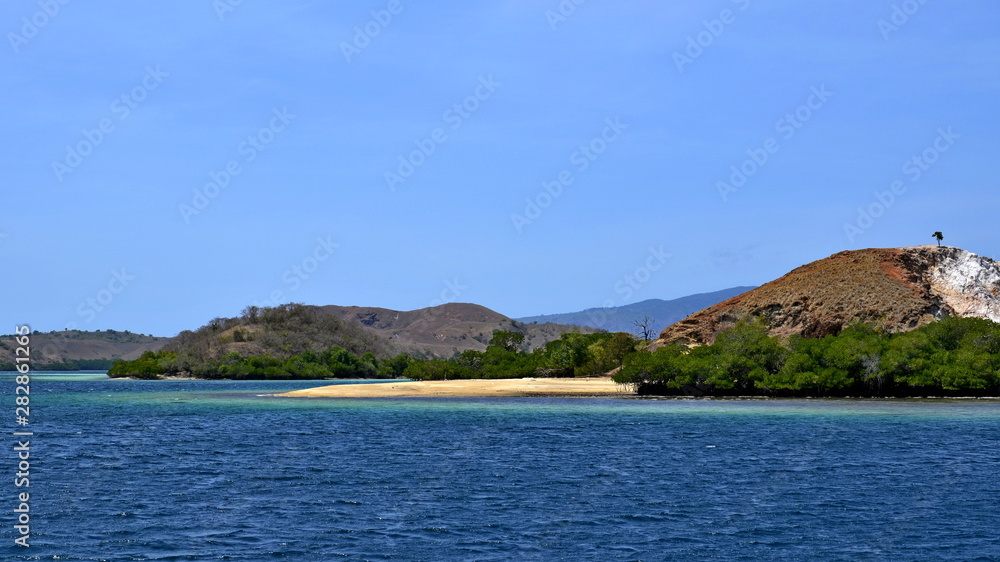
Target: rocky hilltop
x=895 y=289
x=447 y=329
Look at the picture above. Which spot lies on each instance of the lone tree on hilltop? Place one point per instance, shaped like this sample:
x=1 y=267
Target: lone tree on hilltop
x=938 y=236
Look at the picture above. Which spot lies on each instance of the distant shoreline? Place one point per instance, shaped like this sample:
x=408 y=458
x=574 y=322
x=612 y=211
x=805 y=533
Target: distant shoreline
x=592 y=387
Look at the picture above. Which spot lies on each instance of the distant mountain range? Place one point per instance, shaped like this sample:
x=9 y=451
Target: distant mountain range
x=622 y=318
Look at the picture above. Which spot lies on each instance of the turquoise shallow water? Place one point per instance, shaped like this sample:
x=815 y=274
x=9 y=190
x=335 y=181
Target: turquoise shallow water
x=172 y=470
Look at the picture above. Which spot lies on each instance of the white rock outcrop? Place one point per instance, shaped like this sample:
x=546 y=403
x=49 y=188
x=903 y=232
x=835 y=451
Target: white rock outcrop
x=967 y=284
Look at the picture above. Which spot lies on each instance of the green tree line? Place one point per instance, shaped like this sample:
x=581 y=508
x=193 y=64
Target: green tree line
x=574 y=354
x=952 y=357
x=334 y=363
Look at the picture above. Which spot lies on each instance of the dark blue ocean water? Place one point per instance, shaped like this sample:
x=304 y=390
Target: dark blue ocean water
x=166 y=470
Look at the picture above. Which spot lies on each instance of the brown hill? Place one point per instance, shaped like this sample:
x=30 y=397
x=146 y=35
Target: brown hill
x=74 y=345
x=896 y=289
x=285 y=330
x=440 y=331
x=280 y=331
x=449 y=328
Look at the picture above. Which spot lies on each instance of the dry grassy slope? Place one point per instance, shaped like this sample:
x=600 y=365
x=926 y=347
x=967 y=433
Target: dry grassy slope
x=890 y=287
x=443 y=330
x=279 y=332
x=71 y=345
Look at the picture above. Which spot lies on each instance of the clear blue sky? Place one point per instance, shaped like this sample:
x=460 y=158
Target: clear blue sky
x=642 y=108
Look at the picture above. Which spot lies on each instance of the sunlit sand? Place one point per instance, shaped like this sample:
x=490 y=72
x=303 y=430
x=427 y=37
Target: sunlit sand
x=469 y=388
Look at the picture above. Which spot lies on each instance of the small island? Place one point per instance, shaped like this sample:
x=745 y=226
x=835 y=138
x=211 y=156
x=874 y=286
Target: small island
x=894 y=322
x=951 y=357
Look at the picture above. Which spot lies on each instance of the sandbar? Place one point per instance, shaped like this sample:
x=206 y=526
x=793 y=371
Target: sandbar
x=469 y=388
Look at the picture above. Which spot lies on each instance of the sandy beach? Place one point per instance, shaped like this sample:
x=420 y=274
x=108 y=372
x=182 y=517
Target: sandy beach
x=468 y=389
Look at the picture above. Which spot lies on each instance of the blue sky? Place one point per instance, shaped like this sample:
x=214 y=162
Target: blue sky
x=166 y=163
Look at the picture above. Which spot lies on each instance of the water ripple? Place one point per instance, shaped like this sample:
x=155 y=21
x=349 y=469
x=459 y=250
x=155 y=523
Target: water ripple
x=133 y=470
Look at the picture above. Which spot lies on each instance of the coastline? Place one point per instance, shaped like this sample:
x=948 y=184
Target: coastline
x=162 y=378
x=470 y=388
